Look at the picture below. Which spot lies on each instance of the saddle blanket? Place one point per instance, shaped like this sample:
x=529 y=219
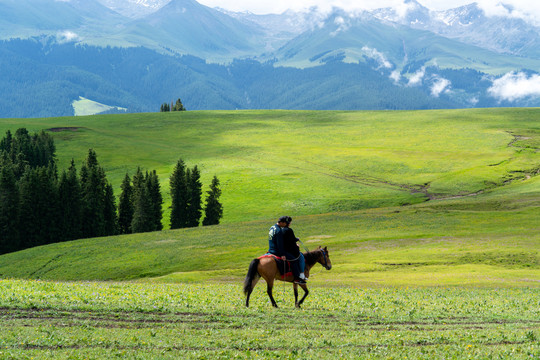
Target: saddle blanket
x=281 y=265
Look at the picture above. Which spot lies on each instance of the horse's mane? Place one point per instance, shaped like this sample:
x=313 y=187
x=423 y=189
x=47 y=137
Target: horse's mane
x=312 y=257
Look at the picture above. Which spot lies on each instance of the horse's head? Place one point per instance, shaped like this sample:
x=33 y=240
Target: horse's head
x=324 y=258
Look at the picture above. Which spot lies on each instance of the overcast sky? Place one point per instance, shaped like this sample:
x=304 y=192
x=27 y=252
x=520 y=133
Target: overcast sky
x=522 y=8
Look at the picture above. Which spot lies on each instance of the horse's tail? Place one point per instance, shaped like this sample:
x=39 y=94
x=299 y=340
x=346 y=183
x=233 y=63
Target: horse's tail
x=252 y=272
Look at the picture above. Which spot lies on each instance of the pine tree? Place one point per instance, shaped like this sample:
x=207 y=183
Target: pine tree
x=6 y=142
x=69 y=194
x=28 y=225
x=99 y=208
x=44 y=149
x=51 y=203
x=156 y=200
x=195 y=194
x=178 y=106
x=179 y=196
x=109 y=211
x=165 y=107
x=38 y=208
x=142 y=208
x=213 y=210
x=125 y=206
x=93 y=222
x=9 y=205
x=20 y=152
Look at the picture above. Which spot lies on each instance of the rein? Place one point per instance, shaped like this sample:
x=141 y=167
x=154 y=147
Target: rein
x=304 y=246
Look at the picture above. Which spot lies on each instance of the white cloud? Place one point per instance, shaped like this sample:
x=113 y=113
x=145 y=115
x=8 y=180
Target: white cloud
x=377 y=56
x=402 y=8
x=67 y=36
x=343 y=25
x=522 y=9
x=395 y=75
x=416 y=78
x=440 y=85
x=528 y=9
x=474 y=100
x=514 y=86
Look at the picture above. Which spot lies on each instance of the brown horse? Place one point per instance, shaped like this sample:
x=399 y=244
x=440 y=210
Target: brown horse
x=267 y=268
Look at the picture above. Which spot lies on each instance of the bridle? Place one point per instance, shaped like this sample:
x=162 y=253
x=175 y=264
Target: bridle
x=324 y=254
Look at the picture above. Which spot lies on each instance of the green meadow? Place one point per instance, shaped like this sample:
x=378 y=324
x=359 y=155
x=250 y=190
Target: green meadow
x=310 y=162
x=88 y=320
x=431 y=219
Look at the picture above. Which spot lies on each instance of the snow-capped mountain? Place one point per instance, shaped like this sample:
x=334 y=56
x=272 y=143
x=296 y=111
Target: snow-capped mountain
x=278 y=29
x=470 y=24
x=135 y=8
x=391 y=47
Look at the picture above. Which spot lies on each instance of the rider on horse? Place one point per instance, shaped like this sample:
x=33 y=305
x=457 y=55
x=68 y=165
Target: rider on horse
x=282 y=242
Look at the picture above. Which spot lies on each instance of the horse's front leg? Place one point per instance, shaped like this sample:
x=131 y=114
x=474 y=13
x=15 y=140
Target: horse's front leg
x=295 y=288
x=306 y=292
x=269 y=286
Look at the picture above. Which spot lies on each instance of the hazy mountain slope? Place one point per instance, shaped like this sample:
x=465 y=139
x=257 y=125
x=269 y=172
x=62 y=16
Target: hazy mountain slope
x=277 y=29
x=345 y=61
x=134 y=8
x=502 y=34
x=188 y=27
x=355 y=38
x=469 y=24
x=24 y=18
x=47 y=78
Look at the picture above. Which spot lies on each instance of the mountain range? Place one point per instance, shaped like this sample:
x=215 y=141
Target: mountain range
x=455 y=58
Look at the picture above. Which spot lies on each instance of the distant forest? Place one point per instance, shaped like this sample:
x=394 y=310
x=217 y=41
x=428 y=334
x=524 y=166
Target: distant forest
x=38 y=206
x=41 y=78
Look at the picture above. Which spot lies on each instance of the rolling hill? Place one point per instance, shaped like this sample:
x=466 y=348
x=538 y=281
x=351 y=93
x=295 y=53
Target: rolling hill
x=420 y=198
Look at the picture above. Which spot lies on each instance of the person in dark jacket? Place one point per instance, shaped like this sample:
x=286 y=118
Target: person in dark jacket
x=275 y=238
x=292 y=252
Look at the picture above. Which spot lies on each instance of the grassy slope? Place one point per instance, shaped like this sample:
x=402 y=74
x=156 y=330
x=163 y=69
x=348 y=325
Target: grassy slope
x=441 y=243
x=274 y=162
x=311 y=164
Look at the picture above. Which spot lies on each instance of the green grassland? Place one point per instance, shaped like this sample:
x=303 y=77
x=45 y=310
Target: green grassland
x=401 y=198
x=55 y=320
x=431 y=218
x=307 y=162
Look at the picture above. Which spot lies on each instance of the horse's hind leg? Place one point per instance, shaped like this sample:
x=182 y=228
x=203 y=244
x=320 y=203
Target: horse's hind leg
x=295 y=288
x=253 y=283
x=306 y=292
x=269 y=286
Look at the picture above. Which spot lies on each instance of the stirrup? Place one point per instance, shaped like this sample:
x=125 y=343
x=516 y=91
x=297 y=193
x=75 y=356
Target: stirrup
x=300 y=281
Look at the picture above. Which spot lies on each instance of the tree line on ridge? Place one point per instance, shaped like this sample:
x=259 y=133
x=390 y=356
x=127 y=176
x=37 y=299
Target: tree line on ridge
x=38 y=207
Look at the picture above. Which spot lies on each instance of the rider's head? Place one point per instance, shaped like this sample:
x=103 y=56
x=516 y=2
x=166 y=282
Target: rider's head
x=284 y=221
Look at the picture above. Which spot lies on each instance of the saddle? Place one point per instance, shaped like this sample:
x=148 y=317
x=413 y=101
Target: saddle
x=284 y=267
